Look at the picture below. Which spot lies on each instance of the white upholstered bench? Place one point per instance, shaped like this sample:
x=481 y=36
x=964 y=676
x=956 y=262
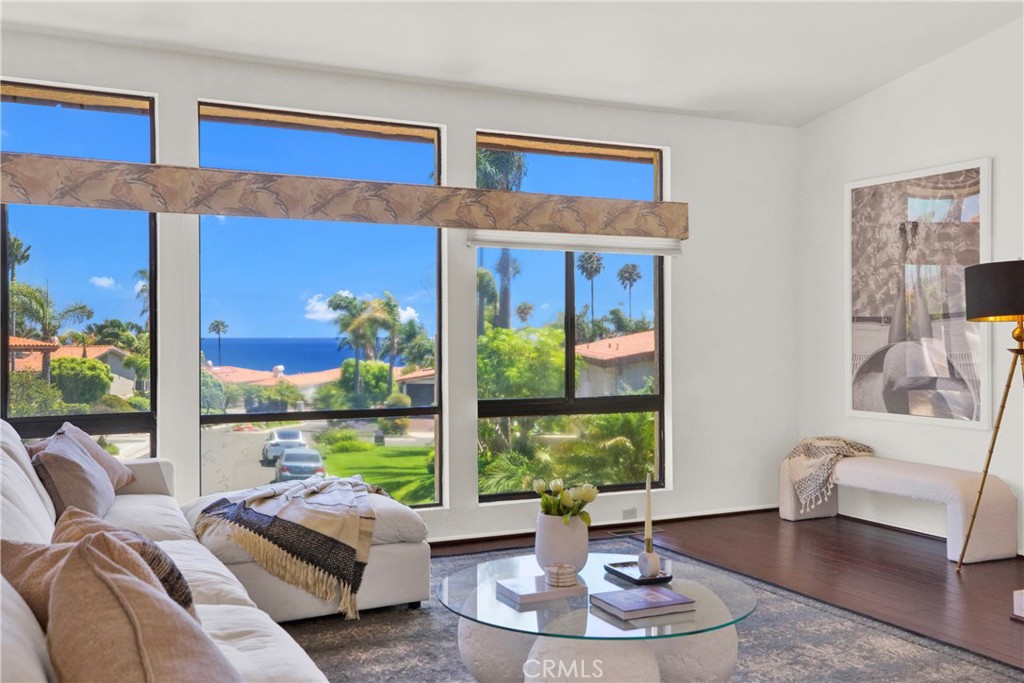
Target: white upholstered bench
x=995 y=529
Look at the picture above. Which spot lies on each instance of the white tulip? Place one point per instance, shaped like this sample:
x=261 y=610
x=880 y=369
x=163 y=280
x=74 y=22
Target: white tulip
x=539 y=485
x=556 y=486
x=575 y=494
x=588 y=492
x=566 y=499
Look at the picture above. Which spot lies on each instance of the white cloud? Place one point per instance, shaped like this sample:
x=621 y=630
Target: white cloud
x=316 y=307
x=102 y=281
x=408 y=313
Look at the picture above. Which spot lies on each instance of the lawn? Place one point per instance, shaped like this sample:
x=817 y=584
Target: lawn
x=401 y=470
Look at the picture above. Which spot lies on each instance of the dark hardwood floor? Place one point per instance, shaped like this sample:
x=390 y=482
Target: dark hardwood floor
x=898 y=577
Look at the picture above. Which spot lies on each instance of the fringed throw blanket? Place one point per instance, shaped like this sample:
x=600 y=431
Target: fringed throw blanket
x=314 y=534
x=812 y=466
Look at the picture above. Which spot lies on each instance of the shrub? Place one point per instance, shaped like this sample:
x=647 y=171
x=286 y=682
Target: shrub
x=81 y=380
x=393 y=426
x=111 y=404
x=352 y=447
x=32 y=395
x=139 y=402
x=397 y=401
x=342 y=441
x=107 y=446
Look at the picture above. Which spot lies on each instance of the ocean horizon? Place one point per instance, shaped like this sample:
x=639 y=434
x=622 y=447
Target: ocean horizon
x=297 y=355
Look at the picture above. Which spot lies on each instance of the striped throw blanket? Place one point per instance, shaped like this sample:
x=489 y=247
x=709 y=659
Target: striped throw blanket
x=812 y=466
x=315 y=533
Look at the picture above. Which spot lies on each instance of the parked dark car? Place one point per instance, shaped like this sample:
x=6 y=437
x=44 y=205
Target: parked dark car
x=277 y=441
x=298 y=463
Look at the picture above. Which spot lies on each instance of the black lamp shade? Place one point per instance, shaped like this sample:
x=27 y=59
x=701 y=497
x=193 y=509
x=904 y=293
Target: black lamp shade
x=995 y=291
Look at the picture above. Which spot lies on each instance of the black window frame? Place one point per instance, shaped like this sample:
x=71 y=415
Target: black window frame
x=436 y=411
x=569 y=403
x=141 y=422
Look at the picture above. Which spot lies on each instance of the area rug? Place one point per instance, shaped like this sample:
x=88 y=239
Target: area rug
x=788 y=639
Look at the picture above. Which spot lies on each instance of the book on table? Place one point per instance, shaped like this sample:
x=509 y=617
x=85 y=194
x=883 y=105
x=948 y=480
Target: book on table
x=524 y=590
x=645 y=601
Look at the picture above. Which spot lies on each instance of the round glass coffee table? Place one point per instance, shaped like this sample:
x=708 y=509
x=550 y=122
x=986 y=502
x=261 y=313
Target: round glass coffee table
x=568 y=639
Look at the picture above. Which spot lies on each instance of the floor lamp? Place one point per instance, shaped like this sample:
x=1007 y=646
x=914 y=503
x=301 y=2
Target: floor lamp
x=995 y=293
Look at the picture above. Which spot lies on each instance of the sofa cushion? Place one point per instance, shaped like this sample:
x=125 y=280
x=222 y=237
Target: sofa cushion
x=396 y=523
x=22 y=641
x=211 y=582
x=71 y=477
x=117 y=472
x=260 y=649
x=75 y=524
x=12 y=446
x=153 y=515
x=25 y=517
x=110 y=620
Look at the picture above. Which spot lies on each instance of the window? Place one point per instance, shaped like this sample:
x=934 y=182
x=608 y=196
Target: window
x=319 y=335
x=78 y=323
x=569 y=371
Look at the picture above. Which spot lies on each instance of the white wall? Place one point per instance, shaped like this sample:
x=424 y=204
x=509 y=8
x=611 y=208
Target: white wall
x=963 y=106
x=732 y=330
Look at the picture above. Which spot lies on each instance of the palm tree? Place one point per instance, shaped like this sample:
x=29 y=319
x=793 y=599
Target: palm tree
x=500 y=170
x=486 y=293
x=218 y=327
x=142 y=292
x=17 y=254
x=36 y=306
x=590 y=266
x=507 y=268
x=524 y=311
x=352 y=328
x=629 y=275
x=84 y=339
x=115 y=332
x=384 y=313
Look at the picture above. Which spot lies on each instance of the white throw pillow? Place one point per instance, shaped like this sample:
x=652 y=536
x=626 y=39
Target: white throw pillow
x=23 y=655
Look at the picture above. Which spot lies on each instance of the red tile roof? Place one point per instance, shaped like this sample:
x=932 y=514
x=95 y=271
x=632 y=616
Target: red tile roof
x=305 y=379
x=23 y=344
x=264 y=378
x=33 y=361
x=414 y=375
x=637 y=346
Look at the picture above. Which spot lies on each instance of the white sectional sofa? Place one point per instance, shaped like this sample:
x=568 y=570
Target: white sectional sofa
x=245 y=634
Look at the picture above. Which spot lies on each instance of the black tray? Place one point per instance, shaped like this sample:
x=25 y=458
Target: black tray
x=630 y=572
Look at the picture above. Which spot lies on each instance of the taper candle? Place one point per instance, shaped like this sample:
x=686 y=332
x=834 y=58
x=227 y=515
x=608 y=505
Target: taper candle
x=648 y=534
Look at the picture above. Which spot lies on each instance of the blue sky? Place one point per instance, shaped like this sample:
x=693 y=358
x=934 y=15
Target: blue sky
x=272 y=278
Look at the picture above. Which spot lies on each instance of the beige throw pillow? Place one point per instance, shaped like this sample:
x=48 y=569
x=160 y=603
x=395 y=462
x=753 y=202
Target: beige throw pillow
x=72 y=477
x=75 y=524
x=119 y=474
x=111 y=621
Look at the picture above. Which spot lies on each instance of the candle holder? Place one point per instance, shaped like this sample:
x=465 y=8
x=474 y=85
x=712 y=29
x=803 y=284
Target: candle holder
x=648 y=563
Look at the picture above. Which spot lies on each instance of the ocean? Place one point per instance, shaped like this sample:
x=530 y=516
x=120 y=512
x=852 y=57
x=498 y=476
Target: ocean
x=296 y=355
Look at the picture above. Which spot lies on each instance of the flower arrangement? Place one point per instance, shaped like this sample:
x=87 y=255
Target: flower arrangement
x=565 y=502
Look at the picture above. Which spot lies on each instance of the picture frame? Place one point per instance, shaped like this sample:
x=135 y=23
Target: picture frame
x=910 y=353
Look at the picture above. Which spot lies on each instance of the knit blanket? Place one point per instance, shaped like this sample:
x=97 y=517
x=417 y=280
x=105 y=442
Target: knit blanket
x=812 y=466
x=314 y=533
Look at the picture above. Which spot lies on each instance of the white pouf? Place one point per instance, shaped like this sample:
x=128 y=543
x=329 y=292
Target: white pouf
x=493 y=654
x=570 y=659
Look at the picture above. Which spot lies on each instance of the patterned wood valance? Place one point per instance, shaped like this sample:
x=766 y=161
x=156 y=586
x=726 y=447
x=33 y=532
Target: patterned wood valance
x=90 y=183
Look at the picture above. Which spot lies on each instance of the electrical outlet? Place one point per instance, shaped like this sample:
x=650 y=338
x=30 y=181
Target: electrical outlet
x=629 y=513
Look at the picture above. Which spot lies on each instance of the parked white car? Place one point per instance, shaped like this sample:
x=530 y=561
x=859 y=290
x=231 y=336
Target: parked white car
x=277 y=441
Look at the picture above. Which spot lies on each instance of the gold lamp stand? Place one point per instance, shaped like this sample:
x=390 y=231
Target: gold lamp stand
x=1018 y=356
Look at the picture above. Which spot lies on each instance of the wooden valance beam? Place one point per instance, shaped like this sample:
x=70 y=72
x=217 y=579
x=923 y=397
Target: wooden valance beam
x=90 y=183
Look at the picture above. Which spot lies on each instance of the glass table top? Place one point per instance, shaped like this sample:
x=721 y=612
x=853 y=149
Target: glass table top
x=471 y=593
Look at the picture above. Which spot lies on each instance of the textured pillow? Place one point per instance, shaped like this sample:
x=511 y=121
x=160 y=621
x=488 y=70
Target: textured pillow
x=75 y=524
x=111 y=621
x=22 y=642
x=120 y=474
x=71 y=477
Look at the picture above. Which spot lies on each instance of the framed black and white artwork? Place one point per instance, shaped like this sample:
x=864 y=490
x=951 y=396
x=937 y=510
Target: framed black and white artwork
x=911 y=354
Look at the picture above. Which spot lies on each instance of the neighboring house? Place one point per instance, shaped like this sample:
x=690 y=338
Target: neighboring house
x=306 y=382
x=608 y=367
x=615 y=365
x=28 y=357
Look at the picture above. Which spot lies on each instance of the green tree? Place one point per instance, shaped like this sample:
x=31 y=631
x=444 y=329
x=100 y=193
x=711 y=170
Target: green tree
x=138 y=358
x=508 y=269
x=32 y=395
x=35 y=305
x=114 y=332
x=83 y=339
x=17 y=255
x=383 y=313
x=81 y=380
x=211 y=393
x=218 y=327
x=590 y=266
x=374 y=379
x=281 y=396
x=417 y=347
x=629 y=275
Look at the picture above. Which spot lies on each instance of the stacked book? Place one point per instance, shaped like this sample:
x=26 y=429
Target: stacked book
x=526 y=590
x=643 y=602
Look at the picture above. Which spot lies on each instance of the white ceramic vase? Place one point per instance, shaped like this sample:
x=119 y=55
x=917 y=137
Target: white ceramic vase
x=557 y=542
